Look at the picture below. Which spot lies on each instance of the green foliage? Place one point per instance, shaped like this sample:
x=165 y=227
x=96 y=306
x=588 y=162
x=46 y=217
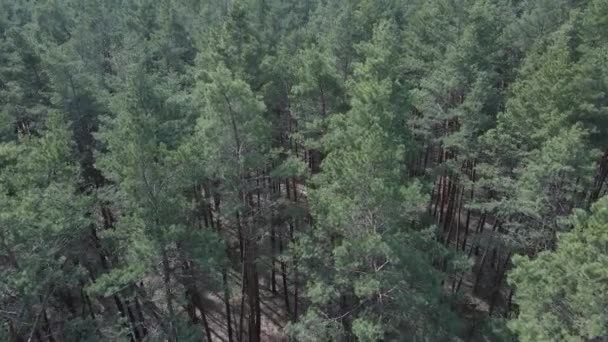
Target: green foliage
x=44 y=221
x=561 y=293
x=158 y=155
x=543 y=152
x=366 y=251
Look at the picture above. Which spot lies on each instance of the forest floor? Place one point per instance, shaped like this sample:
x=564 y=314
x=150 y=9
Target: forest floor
x=274 y=315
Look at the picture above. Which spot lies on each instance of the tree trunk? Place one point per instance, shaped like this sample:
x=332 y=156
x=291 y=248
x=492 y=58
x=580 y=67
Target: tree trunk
x=273 y=281
x=480 y=270
x=169 y=296
x=461 y=202
x=445 y=193
x=438 y=198
x=600 y=179
x=225 y=269
x=227 y=303
x=284 y=277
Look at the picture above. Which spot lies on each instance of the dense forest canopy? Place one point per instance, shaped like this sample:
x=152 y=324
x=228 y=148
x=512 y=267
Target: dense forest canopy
x=303 y=170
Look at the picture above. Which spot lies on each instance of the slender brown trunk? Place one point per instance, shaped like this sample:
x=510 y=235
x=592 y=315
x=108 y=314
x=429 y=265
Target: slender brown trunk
x=480 y=270
x=426 y=158
x=284 y=277
x=134 y=325
x=448 y=224
x=444 y=197
x=169 y=296
x=243 y=295
x=432 y=199
x=205 y=323
x=466 y=231
x=509 y=303
x=600 y=179
x=253 y=298
x=295 y=189
x=140 y=318
x=123 y=314
x=225 y=284
x=292 y=228
x=462 y=274
x=479 y=230
x=439 y=195
x=257 y=191
x=273 y=282
x=257 y=307
x=86 y=300
x=195 y=301
x=206 y=215
x=295 y=274
x=47 y=326
x=240 y=235
x=450 y=204
x=458 y=217
x=105 y=265
x=227 y=303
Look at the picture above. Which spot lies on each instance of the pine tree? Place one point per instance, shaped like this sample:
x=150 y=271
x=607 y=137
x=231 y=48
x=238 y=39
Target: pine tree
x=353 y=170
x=368 y=277
x=44 y=237
x=151 y=191
x=560 y=293
x=233 y=139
